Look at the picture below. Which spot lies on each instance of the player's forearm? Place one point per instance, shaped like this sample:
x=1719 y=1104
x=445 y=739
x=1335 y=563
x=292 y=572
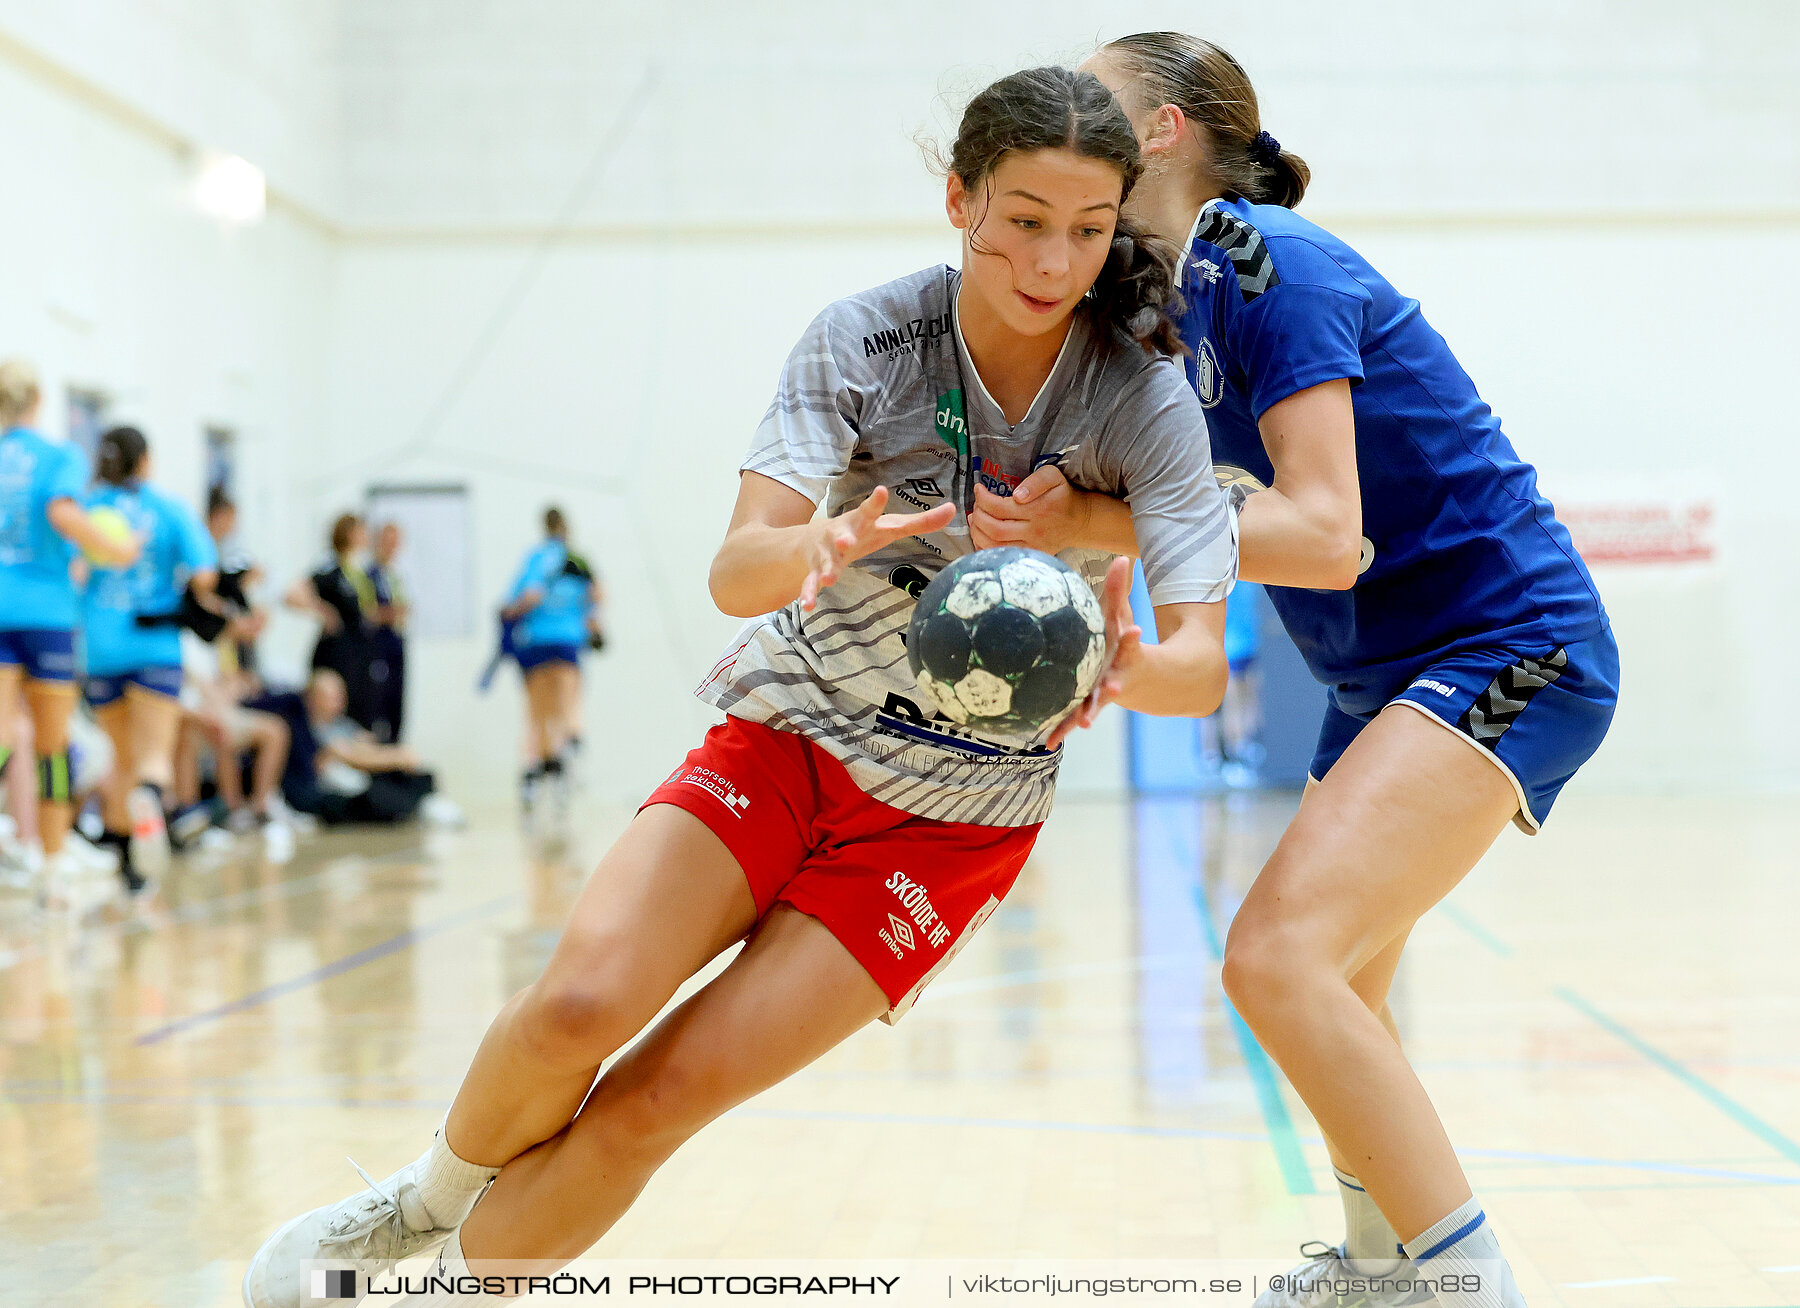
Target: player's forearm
x=1281 y=542
x=760 y=568
x=1109 y=525
x=1179 y=678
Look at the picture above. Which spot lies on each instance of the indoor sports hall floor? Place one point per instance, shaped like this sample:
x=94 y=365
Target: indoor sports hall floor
x=1609 y=1017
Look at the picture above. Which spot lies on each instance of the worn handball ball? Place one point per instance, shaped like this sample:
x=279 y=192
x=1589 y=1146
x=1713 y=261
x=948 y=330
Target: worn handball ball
x=1007 y=641
x=113 y=525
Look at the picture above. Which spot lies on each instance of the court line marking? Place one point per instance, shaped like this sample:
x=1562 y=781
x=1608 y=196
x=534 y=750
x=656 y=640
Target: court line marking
x=1746 y=1119
x=1295 y=1173
x=1762 y=1130
x=1488 y=939
x=1794 y=1268
x=1723 y=1177
x=198 y=910
x=350 y=961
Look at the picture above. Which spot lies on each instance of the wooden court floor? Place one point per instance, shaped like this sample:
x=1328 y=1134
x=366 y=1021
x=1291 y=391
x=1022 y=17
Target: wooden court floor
x=1608 y=1017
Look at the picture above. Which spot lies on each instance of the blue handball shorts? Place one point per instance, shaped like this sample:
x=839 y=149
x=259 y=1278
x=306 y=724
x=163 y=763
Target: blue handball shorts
x=1538 y=713
x=44 y=655
x=157 y=678
x=537 y=656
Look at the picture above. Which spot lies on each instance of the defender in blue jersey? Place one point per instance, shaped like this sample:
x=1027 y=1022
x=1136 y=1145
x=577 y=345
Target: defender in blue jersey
x=41 y=524
x=551 y=613
x=1470 y=666
x=131 y=644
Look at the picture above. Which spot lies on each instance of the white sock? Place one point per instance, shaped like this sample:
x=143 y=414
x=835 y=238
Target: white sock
x=448 y=1185
x=1367 y=1235
x=446 y=1267
x=1463 y=1247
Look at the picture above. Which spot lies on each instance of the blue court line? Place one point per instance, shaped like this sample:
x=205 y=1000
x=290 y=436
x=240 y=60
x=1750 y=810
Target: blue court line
x=391 y=945
x=1488 y=939
x=1720 y=1176
x=1282 y=1137
x=1782 y=1145
x=200 y=909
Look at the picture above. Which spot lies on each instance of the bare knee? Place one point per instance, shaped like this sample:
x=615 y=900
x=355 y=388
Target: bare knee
x=1270 y=963
x=647 y=1106
x=577 y=1018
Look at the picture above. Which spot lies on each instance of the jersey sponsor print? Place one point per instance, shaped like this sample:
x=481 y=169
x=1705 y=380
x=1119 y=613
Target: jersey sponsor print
x=880 y=391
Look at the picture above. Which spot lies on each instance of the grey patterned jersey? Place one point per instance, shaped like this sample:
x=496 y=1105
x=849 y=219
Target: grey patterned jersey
x=880 y=392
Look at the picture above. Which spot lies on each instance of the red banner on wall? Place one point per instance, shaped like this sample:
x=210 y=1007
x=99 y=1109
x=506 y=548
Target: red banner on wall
x=1643 y=531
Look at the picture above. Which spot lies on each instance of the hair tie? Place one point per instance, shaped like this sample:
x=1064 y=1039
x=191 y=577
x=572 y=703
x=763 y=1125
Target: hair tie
x=1264 y=149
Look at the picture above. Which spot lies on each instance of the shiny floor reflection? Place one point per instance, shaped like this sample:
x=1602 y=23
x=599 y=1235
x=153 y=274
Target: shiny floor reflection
x=1608 y=1017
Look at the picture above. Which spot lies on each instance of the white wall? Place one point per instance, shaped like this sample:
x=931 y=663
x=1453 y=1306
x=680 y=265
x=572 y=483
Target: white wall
x=803 y=111
x=557 y=250
x=111 y=279
x=1529 y=173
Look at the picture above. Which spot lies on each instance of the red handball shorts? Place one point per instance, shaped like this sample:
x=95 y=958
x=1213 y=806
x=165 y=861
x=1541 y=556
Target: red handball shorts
x=902 y=893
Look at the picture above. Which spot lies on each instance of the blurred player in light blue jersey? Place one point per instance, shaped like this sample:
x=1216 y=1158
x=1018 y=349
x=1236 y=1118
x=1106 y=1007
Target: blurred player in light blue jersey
x=1426 y=581
x=553 y=606
x=131 y=628
x=41 y=524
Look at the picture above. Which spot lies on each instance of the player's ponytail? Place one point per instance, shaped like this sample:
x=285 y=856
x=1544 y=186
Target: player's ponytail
x=1212 y=89
x=120 y=455
x=1060 y=109
x=19 y=392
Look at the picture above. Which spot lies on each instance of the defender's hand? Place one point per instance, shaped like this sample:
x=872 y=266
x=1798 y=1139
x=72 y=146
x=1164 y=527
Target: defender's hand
x=1045 y=513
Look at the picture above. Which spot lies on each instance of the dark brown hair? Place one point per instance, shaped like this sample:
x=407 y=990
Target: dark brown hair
x=1212 y=89
x=1059 y=109
x=343 y=531
x=554 y=522
x=120 y=455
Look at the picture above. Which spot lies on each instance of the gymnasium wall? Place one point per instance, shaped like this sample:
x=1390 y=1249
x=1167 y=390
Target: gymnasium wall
x=571 y=273
x=111 y=279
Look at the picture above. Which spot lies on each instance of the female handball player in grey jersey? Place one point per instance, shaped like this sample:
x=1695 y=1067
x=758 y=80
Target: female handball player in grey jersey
x=786 y=827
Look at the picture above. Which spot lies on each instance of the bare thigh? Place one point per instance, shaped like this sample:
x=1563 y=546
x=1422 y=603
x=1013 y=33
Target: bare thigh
x=792 y=994
x=1401 y=818
x=666 y=900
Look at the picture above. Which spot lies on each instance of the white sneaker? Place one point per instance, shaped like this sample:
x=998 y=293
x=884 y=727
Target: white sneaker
x=367 y=1233
x=68 y=884
x=90 y=854
x=302 y=824
x=149 y=835
x=278 y=841
x=1326 y=1277
x=442 y=811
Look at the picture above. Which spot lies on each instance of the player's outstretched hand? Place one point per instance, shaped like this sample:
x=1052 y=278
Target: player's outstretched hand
x=1124 y=653
x=842 y=540
x=1044 y=513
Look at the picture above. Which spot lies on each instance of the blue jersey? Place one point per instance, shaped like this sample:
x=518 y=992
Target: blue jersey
x=175 y=547
x=36 y=593
x=1459 y=547
x=561 y=617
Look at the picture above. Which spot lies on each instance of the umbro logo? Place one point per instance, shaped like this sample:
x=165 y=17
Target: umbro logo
x=925 y=486
x=902 y=930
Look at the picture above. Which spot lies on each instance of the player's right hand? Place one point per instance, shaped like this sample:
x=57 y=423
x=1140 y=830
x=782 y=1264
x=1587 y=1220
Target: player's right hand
x=840 y=541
